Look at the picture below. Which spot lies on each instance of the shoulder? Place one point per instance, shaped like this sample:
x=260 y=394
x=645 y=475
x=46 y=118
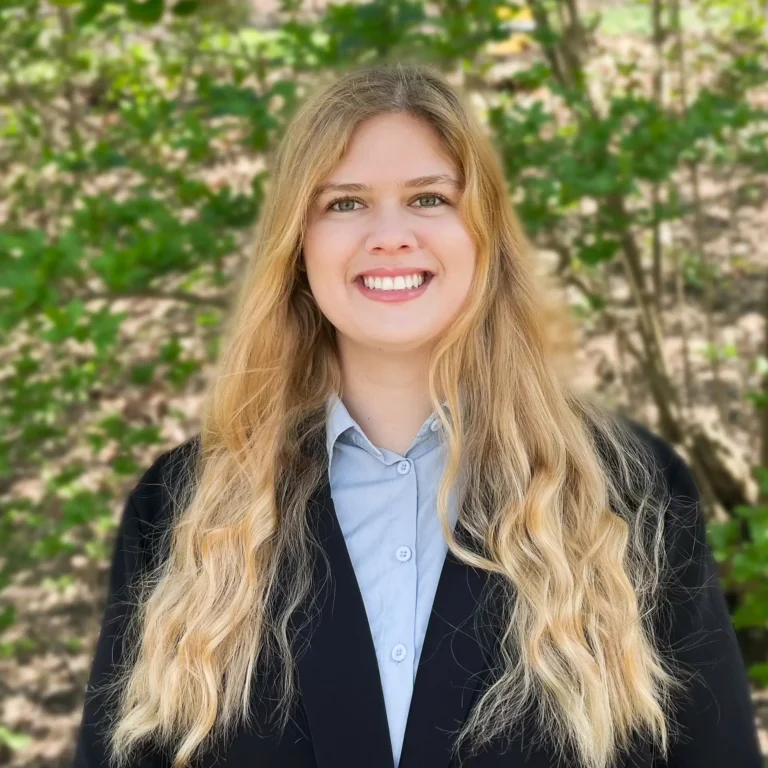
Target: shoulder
x=667 y=460
x=684 y=524
x=151 y=503
x=674 y=488
x=165 y=475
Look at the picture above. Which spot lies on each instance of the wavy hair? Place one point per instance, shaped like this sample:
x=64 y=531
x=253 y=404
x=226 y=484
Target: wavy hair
x=562 y=504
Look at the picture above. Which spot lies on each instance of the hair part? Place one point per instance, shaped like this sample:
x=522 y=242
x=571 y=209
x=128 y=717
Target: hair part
x=562 y=504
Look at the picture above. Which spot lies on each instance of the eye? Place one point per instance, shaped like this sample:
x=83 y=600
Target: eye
x=427 y=195
x=432 y=195
x=340 y=200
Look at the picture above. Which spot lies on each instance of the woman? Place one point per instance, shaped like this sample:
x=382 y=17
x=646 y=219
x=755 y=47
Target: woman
x=400 y=538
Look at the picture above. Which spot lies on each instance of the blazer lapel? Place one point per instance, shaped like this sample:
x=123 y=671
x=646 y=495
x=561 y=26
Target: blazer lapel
x=337 y=668
x=453 y=660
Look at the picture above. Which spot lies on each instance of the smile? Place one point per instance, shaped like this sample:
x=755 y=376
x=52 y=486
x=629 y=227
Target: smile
x=394 y=289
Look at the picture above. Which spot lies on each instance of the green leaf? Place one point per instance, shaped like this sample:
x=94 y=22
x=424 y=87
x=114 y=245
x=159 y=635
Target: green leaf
x=124 y=465
x=602 y=250
x=753 y=611
x=722 y=536
x=78 y=510
x=7 y=616
x=170 y=351
x=14 y=740
x=114 y=426
x=759 y=673
x=185 y=7
x=148 y=12
x=142 y=373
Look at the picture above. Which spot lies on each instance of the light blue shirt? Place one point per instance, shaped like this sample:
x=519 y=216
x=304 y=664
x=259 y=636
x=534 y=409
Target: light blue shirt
x=387 y=509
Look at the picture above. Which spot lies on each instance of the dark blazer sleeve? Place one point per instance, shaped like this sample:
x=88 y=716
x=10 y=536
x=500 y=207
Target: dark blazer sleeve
x=716 y=720
x=144 y=515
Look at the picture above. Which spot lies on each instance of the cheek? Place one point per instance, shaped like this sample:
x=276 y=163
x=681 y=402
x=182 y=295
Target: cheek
x=456 y=250
x=325 y=259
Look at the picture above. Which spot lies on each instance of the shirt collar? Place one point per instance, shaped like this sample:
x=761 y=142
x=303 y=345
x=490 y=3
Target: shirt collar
x=339 y=420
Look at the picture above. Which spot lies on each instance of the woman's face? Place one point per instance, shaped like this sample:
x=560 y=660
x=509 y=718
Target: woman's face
x=366 y=222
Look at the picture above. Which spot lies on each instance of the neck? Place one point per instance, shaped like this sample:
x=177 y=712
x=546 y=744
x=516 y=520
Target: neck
x=386 y=394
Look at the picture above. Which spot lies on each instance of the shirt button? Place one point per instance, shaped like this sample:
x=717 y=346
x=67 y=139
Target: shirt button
x=399 y=652
x=403 y=554
x=404 y=467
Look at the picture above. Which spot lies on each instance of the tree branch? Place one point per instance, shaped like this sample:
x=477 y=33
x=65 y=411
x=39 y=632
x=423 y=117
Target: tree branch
x=149 y=293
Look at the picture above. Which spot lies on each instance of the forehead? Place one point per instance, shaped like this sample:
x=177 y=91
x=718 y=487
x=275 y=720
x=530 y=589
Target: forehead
x=391 y=150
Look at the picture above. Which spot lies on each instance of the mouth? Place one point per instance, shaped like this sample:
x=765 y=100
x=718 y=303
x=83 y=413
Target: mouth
x=425 y=276
x=391 y=291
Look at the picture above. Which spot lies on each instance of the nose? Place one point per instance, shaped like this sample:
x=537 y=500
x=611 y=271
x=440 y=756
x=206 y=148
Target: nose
x=391 y=234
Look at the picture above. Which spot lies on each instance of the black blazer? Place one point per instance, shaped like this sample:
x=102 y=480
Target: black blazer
x=341 y=720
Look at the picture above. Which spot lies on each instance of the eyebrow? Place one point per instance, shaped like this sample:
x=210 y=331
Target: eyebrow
x=419 y=181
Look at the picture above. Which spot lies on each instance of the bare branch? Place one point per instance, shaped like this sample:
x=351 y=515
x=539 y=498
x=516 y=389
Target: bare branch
x=148 y=293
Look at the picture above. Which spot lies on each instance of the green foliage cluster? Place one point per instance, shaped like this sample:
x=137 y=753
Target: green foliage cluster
x=114 y=119
x=748 y=561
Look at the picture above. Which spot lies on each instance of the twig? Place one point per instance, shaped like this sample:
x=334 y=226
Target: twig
x=149 y=293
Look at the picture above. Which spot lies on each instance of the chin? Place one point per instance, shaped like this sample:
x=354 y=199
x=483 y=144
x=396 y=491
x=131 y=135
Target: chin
x=396 y=343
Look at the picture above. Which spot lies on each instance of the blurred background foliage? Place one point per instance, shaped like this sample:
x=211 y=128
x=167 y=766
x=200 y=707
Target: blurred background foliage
x=133 y=138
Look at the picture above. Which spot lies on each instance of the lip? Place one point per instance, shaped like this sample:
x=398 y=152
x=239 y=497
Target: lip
x=405 y=294
x=391 y=272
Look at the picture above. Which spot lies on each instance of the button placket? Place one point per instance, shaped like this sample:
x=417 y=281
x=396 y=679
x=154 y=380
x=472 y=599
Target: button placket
x=404 y=552
x=401 y=586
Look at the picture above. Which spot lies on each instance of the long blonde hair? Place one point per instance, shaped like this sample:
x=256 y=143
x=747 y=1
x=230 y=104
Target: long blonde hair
x=562 y=502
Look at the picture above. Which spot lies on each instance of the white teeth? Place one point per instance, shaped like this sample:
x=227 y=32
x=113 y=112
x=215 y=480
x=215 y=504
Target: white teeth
x=394 y=284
